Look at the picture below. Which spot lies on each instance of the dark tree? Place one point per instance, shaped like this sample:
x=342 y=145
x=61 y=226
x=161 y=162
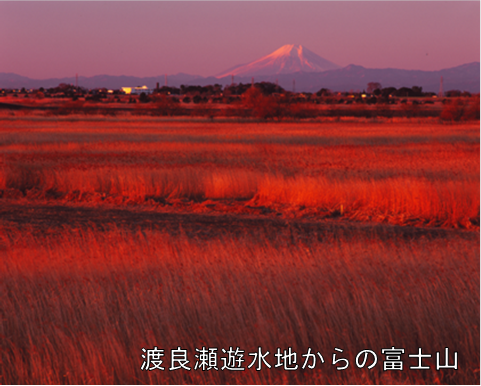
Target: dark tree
x=417 y=91
x=144 y=98
x=323 y=92
x=404 y=92
x=385 y=92
x=453 y=93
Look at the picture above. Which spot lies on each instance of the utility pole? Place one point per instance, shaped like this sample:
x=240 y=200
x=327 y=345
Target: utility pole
x=76 y=81
x=441 y=91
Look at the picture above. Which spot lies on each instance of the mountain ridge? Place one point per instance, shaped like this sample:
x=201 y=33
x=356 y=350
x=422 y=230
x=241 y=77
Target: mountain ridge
x=287 y=64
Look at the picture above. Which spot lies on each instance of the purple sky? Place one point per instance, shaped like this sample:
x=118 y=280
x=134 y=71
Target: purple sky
x=58 y=39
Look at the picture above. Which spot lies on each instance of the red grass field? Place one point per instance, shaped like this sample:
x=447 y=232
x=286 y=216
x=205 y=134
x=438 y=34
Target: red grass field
x=118 y=234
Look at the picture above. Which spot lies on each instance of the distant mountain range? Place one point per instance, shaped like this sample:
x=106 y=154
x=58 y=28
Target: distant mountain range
x=288 y=64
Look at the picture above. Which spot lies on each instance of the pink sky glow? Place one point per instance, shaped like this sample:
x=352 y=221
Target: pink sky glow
x=58 y=39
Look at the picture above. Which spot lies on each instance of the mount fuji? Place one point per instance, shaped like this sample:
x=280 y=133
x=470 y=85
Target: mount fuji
x=286 y=60
x=289 y=64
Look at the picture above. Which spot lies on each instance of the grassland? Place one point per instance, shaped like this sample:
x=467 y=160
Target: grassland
x=416 y=174
x=118 y=234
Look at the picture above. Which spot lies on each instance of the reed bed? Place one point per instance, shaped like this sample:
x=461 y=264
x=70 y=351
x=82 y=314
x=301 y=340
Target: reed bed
x=404 y=200
x=77 y=308
x=404 y=173
x=80 y=299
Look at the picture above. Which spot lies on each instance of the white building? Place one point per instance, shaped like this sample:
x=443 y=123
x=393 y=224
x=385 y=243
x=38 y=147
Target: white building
x=136 y=90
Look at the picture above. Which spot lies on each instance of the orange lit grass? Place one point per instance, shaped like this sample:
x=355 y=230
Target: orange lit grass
x=408 y=174
x=397 y=200
x=78 y=307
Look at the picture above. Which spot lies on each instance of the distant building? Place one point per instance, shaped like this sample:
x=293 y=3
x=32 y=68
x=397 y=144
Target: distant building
x=137 y=90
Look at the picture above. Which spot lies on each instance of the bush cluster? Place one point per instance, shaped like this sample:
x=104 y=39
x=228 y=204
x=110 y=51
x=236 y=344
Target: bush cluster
x=461 y=109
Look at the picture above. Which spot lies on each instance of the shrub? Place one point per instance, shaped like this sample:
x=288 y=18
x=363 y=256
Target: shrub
x=164 y=105
x=453 y=110
x=260 y=105
x=472 y=109
x=144 y=98
x=409 y=110
x=23 y=177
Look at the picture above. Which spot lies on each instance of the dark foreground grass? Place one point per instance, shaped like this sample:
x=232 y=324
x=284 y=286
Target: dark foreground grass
x=79 y=306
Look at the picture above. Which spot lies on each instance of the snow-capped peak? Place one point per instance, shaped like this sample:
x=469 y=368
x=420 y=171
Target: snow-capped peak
x=289 y=58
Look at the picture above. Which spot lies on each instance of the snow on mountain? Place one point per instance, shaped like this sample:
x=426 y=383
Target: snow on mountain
x=286 y=60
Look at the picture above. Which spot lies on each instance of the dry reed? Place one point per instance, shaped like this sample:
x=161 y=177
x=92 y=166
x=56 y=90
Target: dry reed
x=79 y=307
